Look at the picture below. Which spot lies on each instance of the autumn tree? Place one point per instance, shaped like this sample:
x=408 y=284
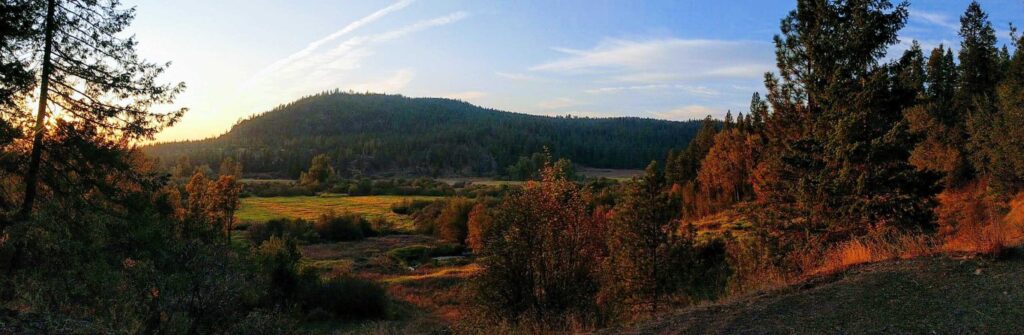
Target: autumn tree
x=478 y=225
x=222 y=202
x=452 y=223
x=230 y=167
x=183 y=168
x=541 y=258
x=725 y=175
x=91 y=75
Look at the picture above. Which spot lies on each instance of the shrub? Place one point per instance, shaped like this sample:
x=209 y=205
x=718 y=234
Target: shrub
x=451 y=223
x=418 y=254
x=408 y=206
x=345 y=298
x=342 y=227
x=298 y=229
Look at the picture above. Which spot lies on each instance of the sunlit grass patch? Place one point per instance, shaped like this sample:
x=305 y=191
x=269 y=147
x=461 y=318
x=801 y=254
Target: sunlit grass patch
x=310 y=207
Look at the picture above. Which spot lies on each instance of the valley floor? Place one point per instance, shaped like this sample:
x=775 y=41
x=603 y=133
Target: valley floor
x=932 y=295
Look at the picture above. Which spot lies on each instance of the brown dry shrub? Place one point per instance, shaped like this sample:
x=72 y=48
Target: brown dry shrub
x=972 y=220
x=875 y=248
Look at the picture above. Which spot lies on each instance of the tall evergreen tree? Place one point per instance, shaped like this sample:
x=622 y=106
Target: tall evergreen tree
x=94 y=79
x=1008 y=153
x=941 y=128
x=979 y=75
x=840 y=149
x=639 y=242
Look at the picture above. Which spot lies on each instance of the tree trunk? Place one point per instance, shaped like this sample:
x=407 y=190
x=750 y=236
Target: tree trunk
x=31 y=179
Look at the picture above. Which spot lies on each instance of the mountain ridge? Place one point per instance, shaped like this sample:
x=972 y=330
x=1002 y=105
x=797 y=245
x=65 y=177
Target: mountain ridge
x=370 y=134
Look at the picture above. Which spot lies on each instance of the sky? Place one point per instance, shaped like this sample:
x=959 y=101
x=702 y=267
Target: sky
x=675 y=60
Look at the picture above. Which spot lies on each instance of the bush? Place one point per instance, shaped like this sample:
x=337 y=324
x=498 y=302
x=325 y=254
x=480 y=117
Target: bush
x=346 y=298
x=451 y=223
x=298 y=229
x=343 y=227
x=408 y=206
x=418 y=254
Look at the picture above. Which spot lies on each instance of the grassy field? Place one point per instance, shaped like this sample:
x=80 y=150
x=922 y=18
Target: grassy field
x=257 y=209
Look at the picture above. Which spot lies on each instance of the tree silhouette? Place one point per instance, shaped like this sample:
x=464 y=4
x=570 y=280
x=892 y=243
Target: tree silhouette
x=93 y=78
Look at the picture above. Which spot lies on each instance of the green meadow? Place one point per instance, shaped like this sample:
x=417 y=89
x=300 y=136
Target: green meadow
x=256 y=209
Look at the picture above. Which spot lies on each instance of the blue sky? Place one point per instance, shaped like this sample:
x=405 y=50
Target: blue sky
x=663 y=59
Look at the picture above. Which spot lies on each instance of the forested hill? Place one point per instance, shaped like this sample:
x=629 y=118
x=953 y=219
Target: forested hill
x=375 y=133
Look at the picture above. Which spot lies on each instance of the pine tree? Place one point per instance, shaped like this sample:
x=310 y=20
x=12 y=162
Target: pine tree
x=838 y=146
x=940 y=127
x=979 y=75
x=673 y=168
x=1008 y=153
x=639 y=241
x=93 y=77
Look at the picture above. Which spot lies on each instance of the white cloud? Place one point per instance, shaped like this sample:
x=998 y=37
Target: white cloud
x=691 y=112
x=664 y=60
x=466 y=95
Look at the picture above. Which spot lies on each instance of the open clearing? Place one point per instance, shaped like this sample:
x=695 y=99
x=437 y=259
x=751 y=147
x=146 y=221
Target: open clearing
x=255 y=209
x=425 y=299
x=931 y=295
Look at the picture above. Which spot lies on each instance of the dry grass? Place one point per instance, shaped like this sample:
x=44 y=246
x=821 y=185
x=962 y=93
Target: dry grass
x=974 y=221
x=310 y=207
x=971 y=222
x=872 y=249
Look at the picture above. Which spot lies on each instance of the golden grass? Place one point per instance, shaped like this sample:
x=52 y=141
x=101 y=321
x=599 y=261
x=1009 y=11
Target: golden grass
x=311 y=207
x=461 y=272
x=874 y=249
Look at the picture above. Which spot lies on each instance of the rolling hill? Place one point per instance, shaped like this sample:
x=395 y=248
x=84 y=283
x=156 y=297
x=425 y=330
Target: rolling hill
x=374 y=134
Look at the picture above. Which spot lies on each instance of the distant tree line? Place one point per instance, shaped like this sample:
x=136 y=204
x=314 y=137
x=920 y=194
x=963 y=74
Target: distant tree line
x=376 y=134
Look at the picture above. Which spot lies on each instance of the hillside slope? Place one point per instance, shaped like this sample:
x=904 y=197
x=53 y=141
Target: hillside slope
x=374 y=133
x=938 y=295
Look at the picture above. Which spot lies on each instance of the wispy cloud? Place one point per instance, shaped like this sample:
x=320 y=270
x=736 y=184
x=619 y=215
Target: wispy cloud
x=933 y=18
x=349 y=54
x=328 y=63
x=665 y=60
x=313 y=46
